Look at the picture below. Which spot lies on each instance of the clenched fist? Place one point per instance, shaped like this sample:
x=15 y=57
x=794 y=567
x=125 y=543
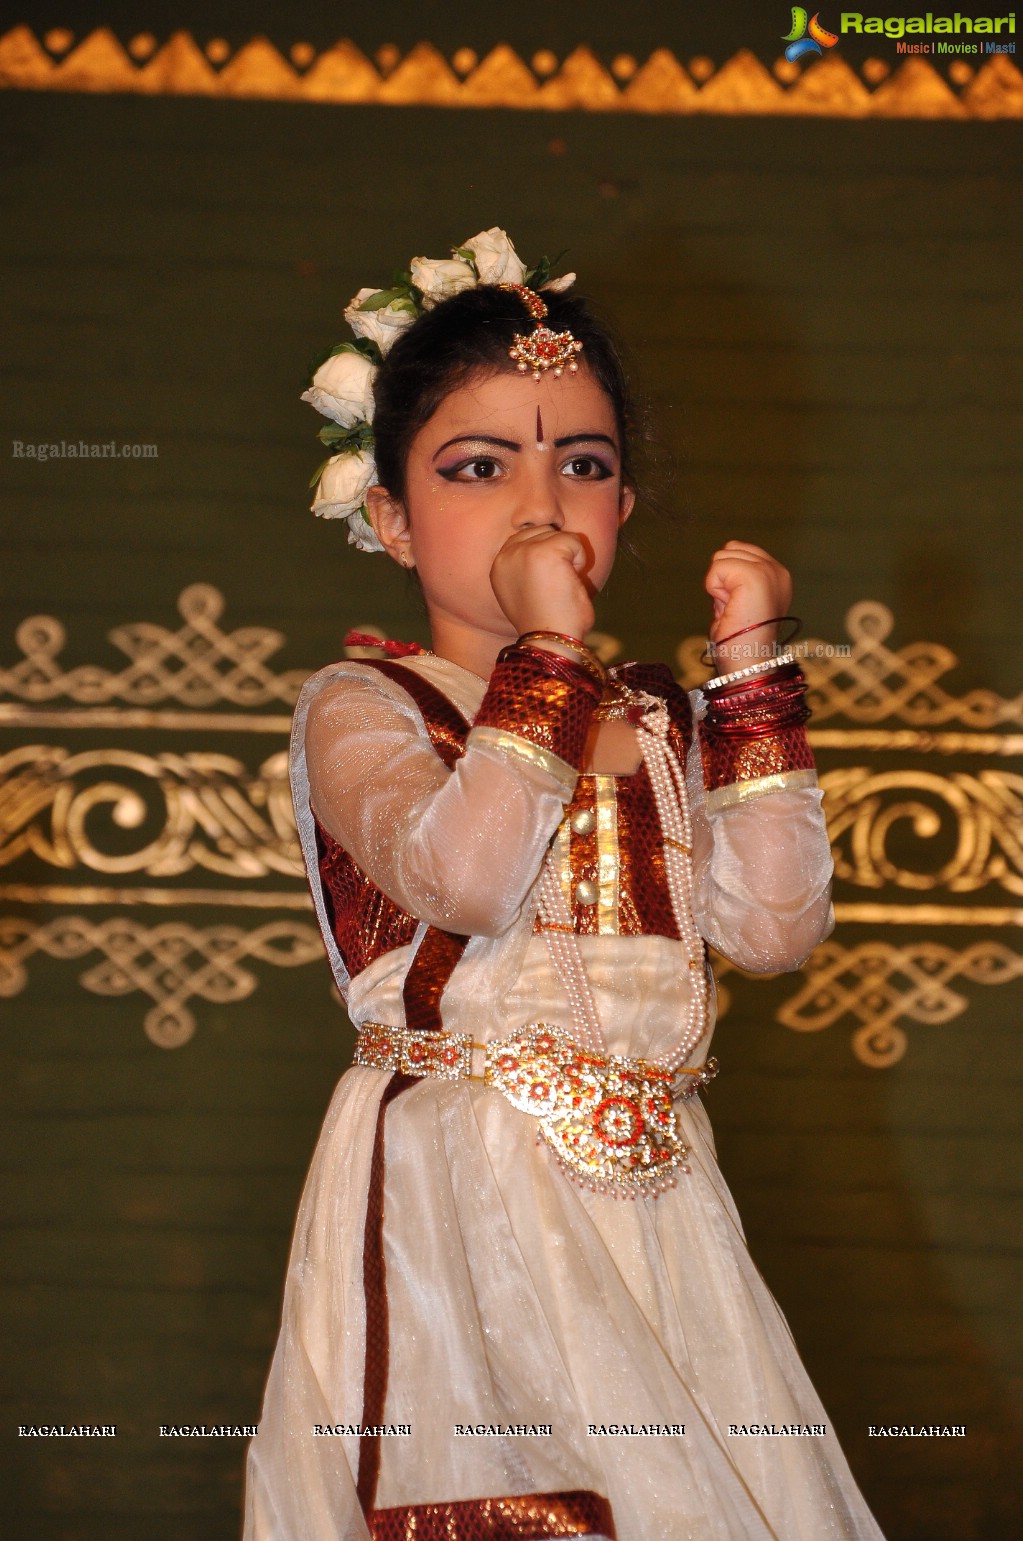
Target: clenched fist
x=537 y=577
x=747 y=586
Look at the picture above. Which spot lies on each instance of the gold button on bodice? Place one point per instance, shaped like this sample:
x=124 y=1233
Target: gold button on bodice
x=586 y=892
x=584 y=821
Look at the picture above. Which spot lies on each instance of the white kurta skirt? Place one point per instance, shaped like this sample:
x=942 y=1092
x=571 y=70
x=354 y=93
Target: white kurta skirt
x=516 y=1298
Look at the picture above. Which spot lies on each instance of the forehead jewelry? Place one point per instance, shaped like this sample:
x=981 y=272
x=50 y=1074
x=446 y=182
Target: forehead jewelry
x=542 y=349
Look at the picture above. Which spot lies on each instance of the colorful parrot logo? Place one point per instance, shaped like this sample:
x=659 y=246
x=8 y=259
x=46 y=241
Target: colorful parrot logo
x=799 y=43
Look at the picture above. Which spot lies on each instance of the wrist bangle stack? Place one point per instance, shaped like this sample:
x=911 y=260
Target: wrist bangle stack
x=586 y=656
x=767 y=667
x=753 y=708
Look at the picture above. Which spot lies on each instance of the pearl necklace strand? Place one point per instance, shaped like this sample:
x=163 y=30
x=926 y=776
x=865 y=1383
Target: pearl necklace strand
x=667 y=779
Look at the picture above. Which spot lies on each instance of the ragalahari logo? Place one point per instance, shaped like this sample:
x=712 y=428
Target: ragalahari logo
x=807 y=36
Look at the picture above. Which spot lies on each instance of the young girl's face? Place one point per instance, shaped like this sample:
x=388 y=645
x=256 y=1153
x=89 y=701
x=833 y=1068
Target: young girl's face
x=500 y=454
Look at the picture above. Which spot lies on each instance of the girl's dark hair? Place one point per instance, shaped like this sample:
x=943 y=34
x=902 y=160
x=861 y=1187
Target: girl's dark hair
x=470 y=332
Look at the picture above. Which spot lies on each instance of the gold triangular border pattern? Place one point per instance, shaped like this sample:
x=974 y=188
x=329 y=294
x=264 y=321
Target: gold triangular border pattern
x=424 y=77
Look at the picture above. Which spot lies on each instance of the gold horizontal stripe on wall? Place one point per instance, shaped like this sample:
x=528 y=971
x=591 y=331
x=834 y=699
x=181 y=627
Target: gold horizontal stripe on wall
x=579 y=82
x=184 y=824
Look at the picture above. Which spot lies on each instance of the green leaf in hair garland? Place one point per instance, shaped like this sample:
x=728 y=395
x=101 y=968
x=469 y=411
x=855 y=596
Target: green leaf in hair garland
x=538 y=276
x=401 y=299
x=364 y=345
x=319 y=472
x=345 y=441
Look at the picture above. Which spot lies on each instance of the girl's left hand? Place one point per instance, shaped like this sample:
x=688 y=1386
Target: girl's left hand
x=747 y=585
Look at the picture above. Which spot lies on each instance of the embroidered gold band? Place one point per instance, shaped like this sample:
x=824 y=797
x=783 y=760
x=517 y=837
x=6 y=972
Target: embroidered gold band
x=610 y=1122
x=758 y=786
x=534 y=754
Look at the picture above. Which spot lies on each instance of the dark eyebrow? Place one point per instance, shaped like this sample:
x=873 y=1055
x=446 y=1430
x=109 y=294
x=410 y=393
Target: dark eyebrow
x=478 y=438
x=586 y=438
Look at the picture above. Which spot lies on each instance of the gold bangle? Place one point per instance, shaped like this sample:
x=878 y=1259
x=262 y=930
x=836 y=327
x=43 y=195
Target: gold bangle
x=587 y=657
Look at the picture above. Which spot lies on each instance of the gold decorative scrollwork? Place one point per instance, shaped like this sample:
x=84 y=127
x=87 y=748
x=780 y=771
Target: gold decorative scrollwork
x=580 y=82
x=204 y=810
x=172 y=963
x=978 y=817
x=880 y=985
x=197 y=665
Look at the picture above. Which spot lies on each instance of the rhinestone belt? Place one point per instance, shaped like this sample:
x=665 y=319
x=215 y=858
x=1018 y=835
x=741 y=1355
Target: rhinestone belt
x=610 y=1122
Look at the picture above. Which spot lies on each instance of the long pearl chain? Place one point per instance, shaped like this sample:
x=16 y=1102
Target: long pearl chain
x=667 y=779
x=556 y=919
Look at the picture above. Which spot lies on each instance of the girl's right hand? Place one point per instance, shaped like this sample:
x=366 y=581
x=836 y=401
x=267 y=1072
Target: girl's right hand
x=538 y=579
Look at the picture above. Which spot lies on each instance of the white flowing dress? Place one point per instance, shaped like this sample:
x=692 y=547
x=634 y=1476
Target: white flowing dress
x=515 y=1297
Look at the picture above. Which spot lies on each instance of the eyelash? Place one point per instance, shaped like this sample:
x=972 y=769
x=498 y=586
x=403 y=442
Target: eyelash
x=453 y=473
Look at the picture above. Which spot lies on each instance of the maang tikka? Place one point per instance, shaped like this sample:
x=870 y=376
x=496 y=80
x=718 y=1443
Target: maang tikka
x=542 y=349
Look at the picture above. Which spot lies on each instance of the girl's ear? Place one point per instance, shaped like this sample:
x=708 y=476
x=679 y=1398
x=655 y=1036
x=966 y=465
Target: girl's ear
x=626 y=504
x=389 y=520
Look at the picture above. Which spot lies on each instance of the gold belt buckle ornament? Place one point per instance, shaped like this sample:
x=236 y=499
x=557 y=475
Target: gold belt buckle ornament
x=609 y=1123
x=446 y=1055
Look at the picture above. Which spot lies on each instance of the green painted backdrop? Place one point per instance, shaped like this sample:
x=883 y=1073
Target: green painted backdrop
x=826 y=318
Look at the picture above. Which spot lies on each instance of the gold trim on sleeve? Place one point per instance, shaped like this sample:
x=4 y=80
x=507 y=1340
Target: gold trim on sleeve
x=760 y=786
x=533 y=754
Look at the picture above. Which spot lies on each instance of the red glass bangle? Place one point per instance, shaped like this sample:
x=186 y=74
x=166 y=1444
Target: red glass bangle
x=555 y=664
x=587 y=657
x=710 y=652
x=762 y=728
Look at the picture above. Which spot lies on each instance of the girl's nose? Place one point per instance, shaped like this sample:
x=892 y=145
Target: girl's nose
x=538 y=503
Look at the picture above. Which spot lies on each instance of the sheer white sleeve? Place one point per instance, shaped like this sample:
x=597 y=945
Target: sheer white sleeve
x=460 y=848
x=762 y=874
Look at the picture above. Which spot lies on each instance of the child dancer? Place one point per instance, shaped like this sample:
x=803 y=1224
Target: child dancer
x=519 y=1302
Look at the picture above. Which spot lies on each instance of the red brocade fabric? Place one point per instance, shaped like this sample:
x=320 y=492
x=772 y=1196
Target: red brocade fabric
x=548 y=703
x=532 y=1517
x=728 y=760
x=436 y=959
x=364 y=921
x=643 y=900
x=374 y=1283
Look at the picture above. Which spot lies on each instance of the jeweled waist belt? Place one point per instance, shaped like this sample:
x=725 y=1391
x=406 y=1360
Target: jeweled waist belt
x=610 y=1122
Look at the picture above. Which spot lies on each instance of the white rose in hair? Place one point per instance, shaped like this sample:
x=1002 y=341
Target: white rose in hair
x=558 y=285
x=440 y=278
x=341 y=489
x=497 y=261
x=342 y=388
x=381 y=326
